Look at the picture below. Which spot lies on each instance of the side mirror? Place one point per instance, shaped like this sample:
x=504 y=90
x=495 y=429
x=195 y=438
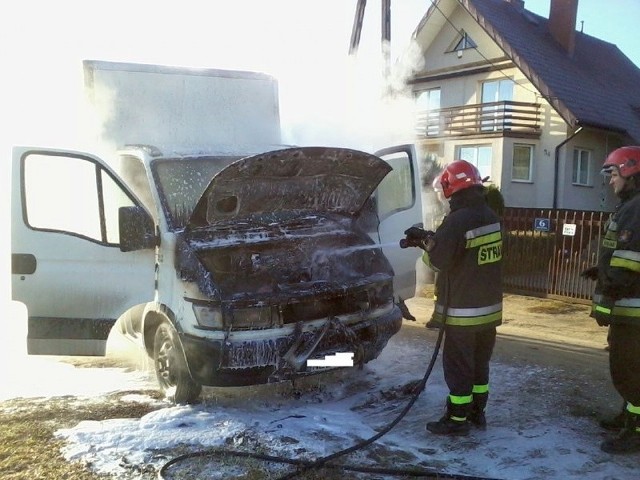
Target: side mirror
x=137 y=230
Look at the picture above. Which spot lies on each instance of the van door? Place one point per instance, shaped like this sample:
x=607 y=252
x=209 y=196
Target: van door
x=66 y=262
x=399 y=206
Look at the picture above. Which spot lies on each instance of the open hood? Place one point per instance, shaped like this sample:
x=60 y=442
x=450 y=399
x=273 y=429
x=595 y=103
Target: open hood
x=307 y=179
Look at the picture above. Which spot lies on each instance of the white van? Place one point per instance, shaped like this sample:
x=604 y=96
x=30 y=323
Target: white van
x=228 y=268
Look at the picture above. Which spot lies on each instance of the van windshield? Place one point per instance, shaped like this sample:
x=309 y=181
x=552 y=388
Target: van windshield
x=182 y=181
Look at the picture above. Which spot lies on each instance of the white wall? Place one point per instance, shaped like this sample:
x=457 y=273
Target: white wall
x=598 y=195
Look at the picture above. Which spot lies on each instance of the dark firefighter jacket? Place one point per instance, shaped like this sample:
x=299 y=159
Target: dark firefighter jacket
x=468 y=256
x=616 y=298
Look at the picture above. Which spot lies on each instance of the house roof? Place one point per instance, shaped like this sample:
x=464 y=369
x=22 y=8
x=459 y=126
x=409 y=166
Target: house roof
x=597 y=86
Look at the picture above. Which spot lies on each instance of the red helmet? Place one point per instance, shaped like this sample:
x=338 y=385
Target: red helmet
x=459 y=175
x=625 y=159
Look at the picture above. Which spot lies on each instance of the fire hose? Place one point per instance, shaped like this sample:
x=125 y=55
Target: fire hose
x=303 y=466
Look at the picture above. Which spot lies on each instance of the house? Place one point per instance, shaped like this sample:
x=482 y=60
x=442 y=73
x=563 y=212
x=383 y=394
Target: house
x=535 y=104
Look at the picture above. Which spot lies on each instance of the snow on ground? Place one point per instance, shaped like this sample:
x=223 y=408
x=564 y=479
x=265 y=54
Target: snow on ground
x=55 y=379
x=530 y=435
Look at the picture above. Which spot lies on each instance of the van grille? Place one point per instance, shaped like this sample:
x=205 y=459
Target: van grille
x=362 y=300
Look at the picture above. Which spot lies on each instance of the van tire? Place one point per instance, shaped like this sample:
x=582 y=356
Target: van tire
x=171 y=367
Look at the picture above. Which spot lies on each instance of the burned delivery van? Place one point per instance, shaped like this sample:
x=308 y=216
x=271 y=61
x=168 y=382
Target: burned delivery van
x=227 y=270
x=231 y=265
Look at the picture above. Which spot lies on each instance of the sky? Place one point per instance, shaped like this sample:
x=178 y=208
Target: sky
x=612 y=21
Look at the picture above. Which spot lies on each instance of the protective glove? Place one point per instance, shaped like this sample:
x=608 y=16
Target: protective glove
x=590 y=273
x=416 y=237
x=418 y=233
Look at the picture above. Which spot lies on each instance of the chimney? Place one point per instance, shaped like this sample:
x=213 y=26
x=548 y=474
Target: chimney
x=562 y=23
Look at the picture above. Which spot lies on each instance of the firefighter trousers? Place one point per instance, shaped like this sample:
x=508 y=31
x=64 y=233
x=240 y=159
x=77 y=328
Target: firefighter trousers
x=465 y=358
x=624 y=361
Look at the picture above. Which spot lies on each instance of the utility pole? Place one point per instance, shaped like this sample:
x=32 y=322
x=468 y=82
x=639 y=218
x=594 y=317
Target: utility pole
x=385 y=41
x=356 y=30
x=357 y=27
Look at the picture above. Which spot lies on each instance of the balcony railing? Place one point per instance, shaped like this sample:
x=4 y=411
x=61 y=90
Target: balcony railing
x=482 y=118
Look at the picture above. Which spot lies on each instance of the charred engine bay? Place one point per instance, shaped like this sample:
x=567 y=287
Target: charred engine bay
x=279 y=261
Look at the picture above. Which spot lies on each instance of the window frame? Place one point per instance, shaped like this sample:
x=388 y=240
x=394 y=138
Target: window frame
x=431 y=110
x=463 y=41
x=576 y=172
x=459 y=149
x=531 y=149
x=399 y=179
x=430 y=94
x=493 y=116
x=104 y=234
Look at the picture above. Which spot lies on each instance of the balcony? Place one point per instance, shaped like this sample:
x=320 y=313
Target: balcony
x=516 y=119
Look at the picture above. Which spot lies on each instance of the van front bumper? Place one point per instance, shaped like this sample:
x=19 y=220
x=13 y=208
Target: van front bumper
x=239 y=363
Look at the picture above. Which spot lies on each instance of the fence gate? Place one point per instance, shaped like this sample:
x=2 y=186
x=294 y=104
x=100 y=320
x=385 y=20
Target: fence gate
x=545 y=250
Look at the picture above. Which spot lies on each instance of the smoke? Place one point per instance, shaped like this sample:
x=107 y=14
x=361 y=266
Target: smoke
x=364 y=107
x=326 y=97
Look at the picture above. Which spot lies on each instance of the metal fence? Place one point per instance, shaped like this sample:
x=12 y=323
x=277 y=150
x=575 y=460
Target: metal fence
x=545 y=250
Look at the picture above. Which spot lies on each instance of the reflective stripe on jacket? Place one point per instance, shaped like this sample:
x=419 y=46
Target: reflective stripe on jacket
x=624 y=309
x=469 y=317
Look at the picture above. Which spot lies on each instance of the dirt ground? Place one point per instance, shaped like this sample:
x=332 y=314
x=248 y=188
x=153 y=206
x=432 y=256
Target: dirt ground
x=542 y=319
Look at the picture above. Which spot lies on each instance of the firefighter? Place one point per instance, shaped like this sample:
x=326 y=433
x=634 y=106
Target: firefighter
x=466 y=251
x=616 y=298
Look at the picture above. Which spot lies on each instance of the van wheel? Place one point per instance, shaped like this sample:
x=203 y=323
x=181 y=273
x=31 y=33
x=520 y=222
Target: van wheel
x=171 y=367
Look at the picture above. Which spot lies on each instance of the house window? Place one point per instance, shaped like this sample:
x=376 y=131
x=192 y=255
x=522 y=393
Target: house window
x=427 y=106
x=463 y=42
x=522 y=163
x=496 y=93
x=497 y=90
x=479 y=155
x=428 y=99
x=581 y=167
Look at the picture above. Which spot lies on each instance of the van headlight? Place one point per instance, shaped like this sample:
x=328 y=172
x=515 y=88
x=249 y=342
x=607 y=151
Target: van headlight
x=253 y=317
x=208 y=316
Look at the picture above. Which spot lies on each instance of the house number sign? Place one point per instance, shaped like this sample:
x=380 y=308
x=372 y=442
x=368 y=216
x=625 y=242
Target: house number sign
x=542 y=224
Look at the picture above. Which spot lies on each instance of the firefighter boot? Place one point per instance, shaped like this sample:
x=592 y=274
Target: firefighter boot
x=453 y=423
x=628 y=440
x=476 y=415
